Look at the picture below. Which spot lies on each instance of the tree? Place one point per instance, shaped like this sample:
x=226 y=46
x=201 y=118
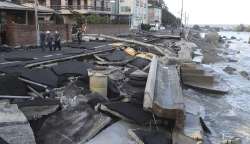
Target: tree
x=196 y=27
x=169 y=19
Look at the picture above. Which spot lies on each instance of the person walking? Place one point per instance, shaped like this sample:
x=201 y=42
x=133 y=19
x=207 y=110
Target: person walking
x=79 y=36
x=57 y=39
x=42 y=40
x=49 y=40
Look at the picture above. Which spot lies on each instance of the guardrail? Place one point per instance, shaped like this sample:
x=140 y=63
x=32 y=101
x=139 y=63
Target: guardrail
x=79 y=7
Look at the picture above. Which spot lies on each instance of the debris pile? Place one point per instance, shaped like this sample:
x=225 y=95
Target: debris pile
x=126 y=94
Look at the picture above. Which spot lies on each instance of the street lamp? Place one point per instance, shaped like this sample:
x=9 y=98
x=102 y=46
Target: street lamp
x=36 y=23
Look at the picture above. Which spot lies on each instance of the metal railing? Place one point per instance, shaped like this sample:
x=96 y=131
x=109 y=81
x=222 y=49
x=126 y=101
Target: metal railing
x=79 y=7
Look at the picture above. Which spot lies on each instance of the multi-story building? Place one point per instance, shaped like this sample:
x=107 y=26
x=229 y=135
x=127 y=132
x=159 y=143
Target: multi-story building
x=67 y=7
x=137 y=10
x=155 y=13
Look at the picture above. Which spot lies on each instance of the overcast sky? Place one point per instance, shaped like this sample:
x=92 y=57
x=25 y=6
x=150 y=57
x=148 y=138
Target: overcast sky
x=213 y=11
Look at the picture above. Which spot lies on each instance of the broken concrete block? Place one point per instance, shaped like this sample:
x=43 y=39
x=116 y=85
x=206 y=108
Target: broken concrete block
x=14 y=127
x=206 y=81
x=197 y=78
x=163 y=93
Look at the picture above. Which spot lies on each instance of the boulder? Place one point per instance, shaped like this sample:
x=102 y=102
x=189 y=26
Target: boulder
x=229 y=70
x=212 y=37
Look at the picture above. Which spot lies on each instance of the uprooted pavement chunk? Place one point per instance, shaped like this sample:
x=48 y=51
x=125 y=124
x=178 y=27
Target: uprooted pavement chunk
x=72 y=68
x=14 y=127
x=11 y=85
x=73 y=125
x=41 y=76
x=140 y=62
x=115 y=56
x=128 y=111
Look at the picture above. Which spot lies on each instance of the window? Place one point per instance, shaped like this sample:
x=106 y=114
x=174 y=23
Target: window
x=125 y=9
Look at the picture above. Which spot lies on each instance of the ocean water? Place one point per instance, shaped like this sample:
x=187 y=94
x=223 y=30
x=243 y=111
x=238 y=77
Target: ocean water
x=228 y=115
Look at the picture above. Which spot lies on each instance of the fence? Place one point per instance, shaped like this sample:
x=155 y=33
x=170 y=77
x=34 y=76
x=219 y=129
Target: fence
x=21 y=34
x=107 y=28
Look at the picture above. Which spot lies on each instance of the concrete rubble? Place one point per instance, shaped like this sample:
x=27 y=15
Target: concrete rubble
x=109 y=89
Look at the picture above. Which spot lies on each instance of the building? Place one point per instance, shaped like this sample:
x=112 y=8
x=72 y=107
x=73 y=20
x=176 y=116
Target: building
x=13 y=13
x=67 y=8
x=155 y=13
x=136 y=10
x=17 y=24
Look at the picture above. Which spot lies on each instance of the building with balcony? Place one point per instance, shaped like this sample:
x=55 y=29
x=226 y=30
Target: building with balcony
x=155 y=13
x=136 y=10
x=67 y=8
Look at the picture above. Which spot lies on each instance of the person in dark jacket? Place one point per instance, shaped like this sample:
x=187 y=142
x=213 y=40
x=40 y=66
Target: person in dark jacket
x=57 y=39
x=42 y=40
x=79 y=36
x=49 y=40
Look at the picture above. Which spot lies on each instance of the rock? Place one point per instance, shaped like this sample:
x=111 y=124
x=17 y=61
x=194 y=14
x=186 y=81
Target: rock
x=229 y=70
x=233 y=37
x=212 y=37
x=232 y=60
x=245 y=74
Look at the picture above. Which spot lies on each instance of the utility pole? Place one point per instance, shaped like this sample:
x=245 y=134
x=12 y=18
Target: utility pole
x=185 y=18
x=36 y=23
x=181 y=12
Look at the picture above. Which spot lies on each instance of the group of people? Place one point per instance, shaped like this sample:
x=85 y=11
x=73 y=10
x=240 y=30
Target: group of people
x=50 y=40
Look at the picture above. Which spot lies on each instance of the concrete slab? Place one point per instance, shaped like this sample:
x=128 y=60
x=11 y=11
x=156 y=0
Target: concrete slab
x=163 y=93
x=14 y=126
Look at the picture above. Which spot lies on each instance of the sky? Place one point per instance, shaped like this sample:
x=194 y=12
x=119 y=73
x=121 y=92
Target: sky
x=213 y=11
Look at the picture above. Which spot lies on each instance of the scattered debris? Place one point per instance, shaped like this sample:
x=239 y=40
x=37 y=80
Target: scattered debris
x=115 y=93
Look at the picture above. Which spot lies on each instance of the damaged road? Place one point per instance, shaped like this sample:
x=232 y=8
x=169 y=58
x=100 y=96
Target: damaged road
x=127 y=90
